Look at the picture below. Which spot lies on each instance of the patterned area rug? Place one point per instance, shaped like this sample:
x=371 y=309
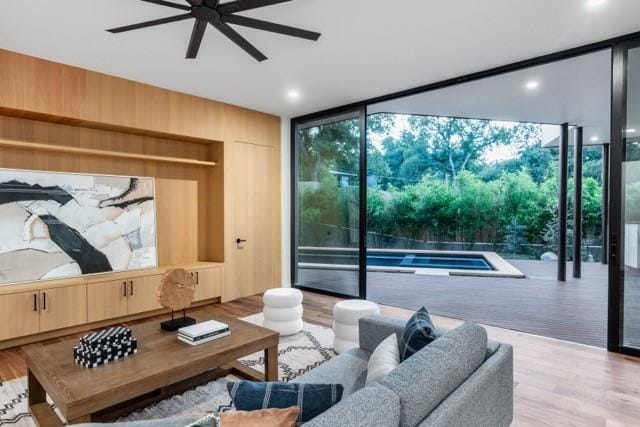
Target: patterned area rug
x=297 y=355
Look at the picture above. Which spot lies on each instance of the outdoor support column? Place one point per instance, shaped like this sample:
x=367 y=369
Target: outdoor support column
x=562 y=202
x=605 y=204
x=577 y=203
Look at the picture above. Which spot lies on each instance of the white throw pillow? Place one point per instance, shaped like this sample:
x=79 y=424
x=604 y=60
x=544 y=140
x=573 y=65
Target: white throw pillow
x=384 y=359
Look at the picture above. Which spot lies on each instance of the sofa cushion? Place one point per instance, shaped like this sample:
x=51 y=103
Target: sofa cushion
x=418 y=332
x=429 y=376
x=348 y=369
x=312 y=399
x=374 y=405
x=384 y=359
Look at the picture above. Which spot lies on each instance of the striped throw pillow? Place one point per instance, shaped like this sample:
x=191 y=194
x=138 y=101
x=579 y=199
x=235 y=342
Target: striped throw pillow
x=312 y=399
x=418 y=332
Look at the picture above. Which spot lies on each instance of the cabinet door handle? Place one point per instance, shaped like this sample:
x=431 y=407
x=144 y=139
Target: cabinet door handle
x=131 y=284
x=35 y=302
x=124 y=288
x=197 y=277
x=44 y=301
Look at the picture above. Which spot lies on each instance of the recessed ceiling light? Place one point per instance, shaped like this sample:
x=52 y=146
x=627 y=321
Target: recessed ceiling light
x=532 y=85
x=293 y=94
x=595 y=139
x=592 y=4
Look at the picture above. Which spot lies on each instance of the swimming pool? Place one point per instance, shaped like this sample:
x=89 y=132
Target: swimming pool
x=401 y=259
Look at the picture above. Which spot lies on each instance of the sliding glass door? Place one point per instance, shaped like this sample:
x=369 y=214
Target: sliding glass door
x=327 y=204
x=625 y=203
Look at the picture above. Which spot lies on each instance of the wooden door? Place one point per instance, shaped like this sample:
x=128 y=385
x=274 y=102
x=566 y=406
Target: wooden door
x=254 y=192
x=63 y=307
x=143 y=294
x=208 y=283
x=107 y=300
x=19 y=315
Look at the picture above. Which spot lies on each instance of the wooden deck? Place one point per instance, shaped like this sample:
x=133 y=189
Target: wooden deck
x=575 y=310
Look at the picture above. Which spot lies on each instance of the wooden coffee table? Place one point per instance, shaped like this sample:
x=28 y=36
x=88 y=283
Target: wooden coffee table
x=162 y=367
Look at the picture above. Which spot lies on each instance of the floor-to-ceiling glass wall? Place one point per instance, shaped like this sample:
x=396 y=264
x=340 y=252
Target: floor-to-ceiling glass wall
x=630 y=226
x=458 y=206
x=327 y=204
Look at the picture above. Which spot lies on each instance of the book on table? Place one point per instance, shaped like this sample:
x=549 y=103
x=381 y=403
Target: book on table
x=204 y=332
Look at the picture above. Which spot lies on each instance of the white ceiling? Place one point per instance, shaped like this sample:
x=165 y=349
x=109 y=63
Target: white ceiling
x=368 y=47
x=575 y=91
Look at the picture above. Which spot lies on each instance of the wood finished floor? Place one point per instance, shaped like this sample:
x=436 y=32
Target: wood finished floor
x=558 y=383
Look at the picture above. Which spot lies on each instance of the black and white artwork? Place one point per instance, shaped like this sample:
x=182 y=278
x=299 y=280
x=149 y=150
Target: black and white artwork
x=56 y=225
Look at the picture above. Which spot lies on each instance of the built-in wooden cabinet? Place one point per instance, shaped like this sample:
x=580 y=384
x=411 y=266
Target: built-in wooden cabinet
x=27 y=313
x=208 y=283
x=19 y=315
x=63 y=307
x=54 y=306
x=143 y=294
x=107 y=300
x=119 y=298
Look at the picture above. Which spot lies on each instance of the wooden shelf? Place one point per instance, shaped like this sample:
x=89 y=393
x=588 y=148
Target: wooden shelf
x=100 y=153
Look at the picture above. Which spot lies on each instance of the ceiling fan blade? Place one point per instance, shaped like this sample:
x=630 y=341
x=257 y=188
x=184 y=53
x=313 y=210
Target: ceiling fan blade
x=242 y=5
x=151 y=23
x=270 y=26
x=195 y=3
x=196 y=39
x=169 y=4
x=239 y=40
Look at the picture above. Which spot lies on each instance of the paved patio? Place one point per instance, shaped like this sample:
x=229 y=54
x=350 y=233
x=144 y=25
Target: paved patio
x=575 y=310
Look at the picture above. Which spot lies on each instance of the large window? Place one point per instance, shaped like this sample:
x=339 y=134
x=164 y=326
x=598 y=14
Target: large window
x=328 y=207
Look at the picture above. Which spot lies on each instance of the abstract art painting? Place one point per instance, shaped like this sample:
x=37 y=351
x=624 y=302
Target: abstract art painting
x=57 y=225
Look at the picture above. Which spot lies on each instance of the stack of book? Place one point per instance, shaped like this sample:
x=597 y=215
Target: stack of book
x=204 y=332
x=100 y=348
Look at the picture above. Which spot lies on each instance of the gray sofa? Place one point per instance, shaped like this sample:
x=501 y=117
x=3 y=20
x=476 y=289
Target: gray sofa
x=461 y=379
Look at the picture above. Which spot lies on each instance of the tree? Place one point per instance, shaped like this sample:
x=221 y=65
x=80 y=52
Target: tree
x=526 y=202
x=442 y=146
x=333 y=146
x=536 y=159
x=515 y=237
x=455 y=144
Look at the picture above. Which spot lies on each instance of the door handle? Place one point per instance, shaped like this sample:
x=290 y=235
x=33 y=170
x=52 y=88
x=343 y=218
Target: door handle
x=44 y=301
x=124 y=289
x=35 y=302
x=239 y=240
x=131 y=285
x=613 y=249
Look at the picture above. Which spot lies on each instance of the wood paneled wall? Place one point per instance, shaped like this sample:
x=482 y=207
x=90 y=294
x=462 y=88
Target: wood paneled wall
x=46 y=102
x=43 y=89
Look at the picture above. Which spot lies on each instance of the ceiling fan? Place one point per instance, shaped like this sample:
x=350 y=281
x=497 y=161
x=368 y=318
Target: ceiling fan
x=220 y=15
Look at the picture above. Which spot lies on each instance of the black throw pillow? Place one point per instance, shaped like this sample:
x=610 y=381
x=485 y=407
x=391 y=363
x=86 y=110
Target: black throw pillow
x=418 y=332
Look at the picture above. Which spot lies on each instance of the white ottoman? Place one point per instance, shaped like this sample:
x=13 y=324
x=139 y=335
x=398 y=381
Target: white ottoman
x=283 y=310
x=346 y=315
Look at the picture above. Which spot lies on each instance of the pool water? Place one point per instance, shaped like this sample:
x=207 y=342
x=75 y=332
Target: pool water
x=406 y=259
